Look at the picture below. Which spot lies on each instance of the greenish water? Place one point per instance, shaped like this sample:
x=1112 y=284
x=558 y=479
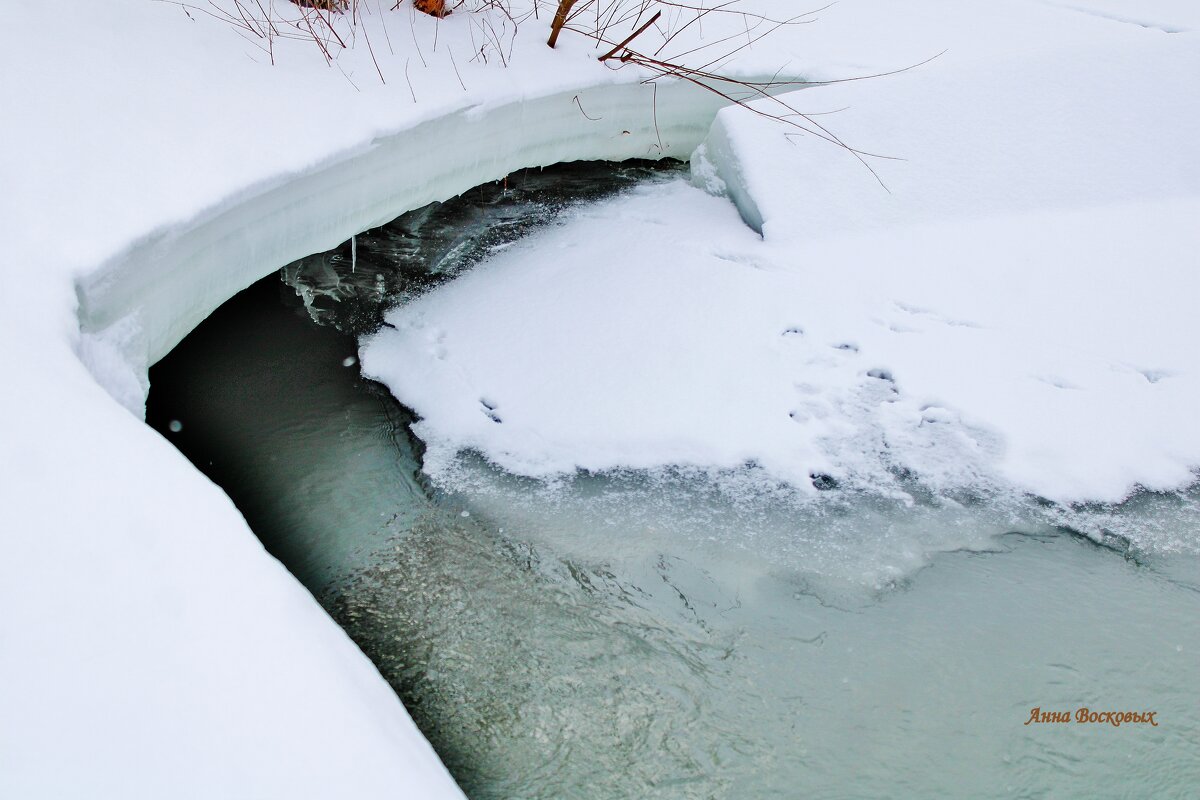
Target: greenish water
x=681 y=635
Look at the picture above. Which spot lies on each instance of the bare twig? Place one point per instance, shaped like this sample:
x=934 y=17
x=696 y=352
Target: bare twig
x=669 y=19
x=631 y=37
x=581 y=111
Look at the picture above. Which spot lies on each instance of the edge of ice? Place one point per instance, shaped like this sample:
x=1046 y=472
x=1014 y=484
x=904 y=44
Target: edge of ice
x=139 y=304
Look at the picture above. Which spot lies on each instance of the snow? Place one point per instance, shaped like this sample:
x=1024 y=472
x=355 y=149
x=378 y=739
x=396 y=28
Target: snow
x=1012 y=312
x=154 y=163
x=211 y=257
x=656 y=330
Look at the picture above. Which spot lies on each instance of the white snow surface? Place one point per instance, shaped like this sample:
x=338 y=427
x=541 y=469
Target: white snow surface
x=150 y=648
x=154 y=163
x=1014 y=311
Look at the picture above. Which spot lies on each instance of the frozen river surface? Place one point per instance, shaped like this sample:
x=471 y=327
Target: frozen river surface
x=681 y=633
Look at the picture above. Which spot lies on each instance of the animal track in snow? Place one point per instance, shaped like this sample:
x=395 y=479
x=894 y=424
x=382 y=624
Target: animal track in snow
x=1057 y=382
x=933 y=415
x=488 y=407
x=1141 y=23
x=811 y=405
x=928 y=313
x=1155 y=375
x=740 y=259
x=437 y=341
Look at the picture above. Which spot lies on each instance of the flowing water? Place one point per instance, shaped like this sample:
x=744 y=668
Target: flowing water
x=682 y=634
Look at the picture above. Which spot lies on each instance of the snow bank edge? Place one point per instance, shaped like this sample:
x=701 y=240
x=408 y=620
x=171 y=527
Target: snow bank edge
x=137 y=306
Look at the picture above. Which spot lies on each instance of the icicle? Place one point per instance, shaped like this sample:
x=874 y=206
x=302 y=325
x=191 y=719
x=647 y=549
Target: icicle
x=353 y=254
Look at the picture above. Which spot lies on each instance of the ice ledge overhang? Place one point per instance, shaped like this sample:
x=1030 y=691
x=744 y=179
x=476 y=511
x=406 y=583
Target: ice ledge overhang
x=134 y=308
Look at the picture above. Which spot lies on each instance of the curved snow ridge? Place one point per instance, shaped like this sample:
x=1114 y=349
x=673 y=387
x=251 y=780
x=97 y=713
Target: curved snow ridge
x=137 y=306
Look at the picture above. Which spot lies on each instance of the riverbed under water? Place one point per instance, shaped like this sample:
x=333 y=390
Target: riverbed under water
x=680 y=634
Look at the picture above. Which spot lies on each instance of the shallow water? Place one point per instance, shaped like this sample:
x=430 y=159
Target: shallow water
x=681 y=634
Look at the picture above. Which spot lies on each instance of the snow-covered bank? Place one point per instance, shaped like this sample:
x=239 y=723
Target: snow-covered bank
x=709 y=347
x=1013 y=312
x=141 y=302
x=150 y=170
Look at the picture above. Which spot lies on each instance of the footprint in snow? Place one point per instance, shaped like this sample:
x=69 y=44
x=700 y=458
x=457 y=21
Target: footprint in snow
x=822 y=482
x=488 y=408
x=886 y=379
x=928 y=313
x=1155 y=375
x=1057 y=382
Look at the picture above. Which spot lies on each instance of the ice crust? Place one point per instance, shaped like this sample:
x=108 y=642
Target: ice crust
x=656 y=330
x=219 y=254
x=1013 y=312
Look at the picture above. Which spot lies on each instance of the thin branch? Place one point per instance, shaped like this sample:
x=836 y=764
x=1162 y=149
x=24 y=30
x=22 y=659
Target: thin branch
x=631 y=37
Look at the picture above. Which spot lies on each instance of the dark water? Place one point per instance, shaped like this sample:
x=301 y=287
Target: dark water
x=267 y=390
x=626 y=636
